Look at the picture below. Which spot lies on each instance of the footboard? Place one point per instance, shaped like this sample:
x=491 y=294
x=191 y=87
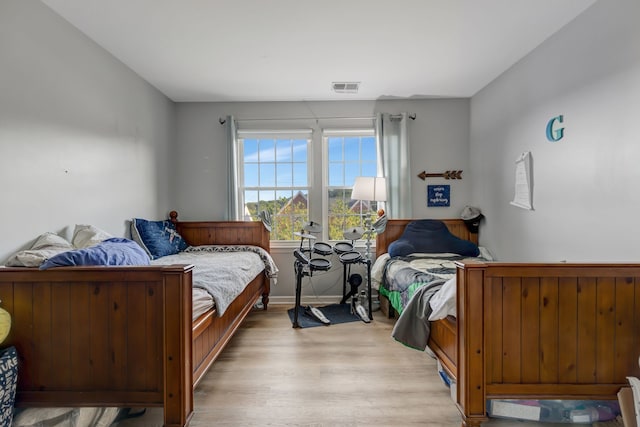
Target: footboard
x=544 y=331
x=102 y=336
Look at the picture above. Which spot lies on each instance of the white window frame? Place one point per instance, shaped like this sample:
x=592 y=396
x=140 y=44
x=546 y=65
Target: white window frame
x=275 y=134
x=317 y=172
x=326 y=133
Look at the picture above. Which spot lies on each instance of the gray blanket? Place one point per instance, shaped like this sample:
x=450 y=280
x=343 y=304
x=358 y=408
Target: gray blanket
x=412 y=327
x=223 y=271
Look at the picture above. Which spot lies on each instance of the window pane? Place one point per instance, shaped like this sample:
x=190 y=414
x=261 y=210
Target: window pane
x=265 y=202
x=250 y=147
x=335 y=149
x=292 y=214
x=300 y=150
x=341 y=214
x=336 y=174
x=350 y=176
x=267 y=150
x=369 y=169
x=352 y=149
x=267 y=174
x=369 y=149
x=267 y=199
x=300 y=175
x=251 y=205
x=283 y=150
x=250 y=196
x=251 y=175
x=284 y=175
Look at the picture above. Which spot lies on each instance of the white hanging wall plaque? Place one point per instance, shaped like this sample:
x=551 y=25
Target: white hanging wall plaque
x=523 y=195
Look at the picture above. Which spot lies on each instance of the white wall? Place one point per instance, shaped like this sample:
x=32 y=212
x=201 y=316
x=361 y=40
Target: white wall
x=82 y=138
x=585 y=194
x=439 y=141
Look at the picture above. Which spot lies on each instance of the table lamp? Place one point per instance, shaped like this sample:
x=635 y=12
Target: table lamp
x=369 y=189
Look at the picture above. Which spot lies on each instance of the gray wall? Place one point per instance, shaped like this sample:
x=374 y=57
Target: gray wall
x=439 y=141
x=585 y=194
x=83 y=140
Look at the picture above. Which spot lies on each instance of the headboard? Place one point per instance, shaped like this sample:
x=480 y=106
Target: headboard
x=222 y=232
x=395 y=228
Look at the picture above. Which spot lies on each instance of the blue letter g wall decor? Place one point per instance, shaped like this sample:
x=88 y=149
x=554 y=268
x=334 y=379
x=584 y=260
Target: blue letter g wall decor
x=557 y=134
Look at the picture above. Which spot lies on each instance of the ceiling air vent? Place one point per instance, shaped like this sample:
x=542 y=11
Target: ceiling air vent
x=345 y=87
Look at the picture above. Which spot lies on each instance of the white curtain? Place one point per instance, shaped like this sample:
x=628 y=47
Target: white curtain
x=232 y=168
x=393 y=160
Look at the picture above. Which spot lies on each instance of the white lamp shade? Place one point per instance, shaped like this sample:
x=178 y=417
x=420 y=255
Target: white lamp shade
x=369 y=188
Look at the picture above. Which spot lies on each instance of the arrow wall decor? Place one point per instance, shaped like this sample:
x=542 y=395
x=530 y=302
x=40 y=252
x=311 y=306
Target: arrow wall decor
x=446 y=175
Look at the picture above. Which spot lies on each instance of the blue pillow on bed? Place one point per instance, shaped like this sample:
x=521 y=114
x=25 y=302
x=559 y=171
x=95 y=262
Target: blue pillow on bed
x=430 y=236
x=114 y=251
x=158 y=238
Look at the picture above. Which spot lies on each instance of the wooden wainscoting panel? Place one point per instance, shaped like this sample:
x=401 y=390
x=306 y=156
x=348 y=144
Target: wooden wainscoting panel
x=531 y=327
x=512 y=330
x=605 y=329
x=625 y=360
x=493 y=326
x=586 y=356
x=550 y=345
x=568 y=329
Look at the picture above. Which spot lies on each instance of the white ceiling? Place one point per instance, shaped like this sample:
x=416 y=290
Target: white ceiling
x=292 y=50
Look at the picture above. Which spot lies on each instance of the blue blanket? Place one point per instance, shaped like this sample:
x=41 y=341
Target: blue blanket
x=113 y=251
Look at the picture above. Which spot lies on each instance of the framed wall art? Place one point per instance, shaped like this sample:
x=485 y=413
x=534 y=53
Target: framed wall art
x=438 y=195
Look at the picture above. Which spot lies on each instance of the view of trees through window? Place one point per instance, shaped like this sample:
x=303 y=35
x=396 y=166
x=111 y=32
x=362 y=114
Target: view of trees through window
x=350 y=154
x=276 y=180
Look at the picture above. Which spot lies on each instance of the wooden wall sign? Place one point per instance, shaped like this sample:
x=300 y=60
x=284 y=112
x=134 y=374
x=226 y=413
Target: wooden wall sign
x=446 y=175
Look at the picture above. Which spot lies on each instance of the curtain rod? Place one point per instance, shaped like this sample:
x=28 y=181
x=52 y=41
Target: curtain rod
x=222 y=120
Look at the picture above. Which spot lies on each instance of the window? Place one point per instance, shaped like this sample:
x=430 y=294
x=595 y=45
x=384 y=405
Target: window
x=297 y=179
x=349 y=154
x=275 y=178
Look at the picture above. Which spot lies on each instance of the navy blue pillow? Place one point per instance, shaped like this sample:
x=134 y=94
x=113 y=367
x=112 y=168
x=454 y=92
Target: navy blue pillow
x=430 y=236
x=8 y=382
x=158 y=238
x=114 y=251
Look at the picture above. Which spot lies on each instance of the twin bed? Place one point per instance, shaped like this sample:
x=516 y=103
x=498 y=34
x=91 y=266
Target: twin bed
x=124 y=335
x=534 y=330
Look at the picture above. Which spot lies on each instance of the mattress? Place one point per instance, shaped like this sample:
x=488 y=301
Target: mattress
x=202 y=302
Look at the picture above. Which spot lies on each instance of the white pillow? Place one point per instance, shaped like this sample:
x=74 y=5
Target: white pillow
x=484 y=253
x=88 y=235
x=443 y=303
x=50 y=239
x=377 y=270
x=45 y=246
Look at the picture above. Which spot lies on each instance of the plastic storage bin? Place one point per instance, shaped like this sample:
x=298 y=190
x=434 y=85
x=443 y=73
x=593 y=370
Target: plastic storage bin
x=555 y=411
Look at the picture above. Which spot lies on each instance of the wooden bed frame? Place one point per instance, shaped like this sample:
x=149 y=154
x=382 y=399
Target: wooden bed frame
x=122 y=336
x=536 y=330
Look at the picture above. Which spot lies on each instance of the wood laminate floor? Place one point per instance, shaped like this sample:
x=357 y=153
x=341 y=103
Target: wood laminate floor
x=351 y=374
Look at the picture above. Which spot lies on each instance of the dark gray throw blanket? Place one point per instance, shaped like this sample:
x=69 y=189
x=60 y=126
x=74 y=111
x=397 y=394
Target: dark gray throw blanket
x=412 y=328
